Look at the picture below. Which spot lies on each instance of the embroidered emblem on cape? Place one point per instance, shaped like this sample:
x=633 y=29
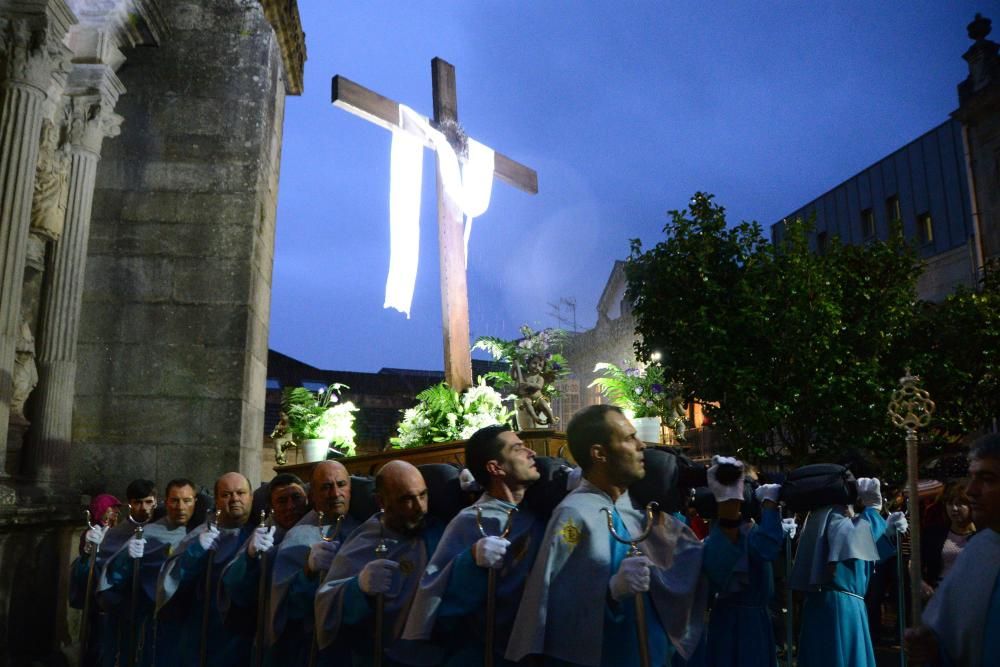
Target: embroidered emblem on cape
x=570 y=533
x=406 y=567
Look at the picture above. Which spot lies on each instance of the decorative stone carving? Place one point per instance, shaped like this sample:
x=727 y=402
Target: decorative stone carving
x=89 y=121
x=283 y=15
x=25 y=373
x=131 y=22
x=32 y=49
x=48 y=205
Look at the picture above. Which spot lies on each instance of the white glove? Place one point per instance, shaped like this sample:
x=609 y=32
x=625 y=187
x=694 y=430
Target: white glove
x=789 y=527
x=770 y=492
x=870 y=492
x=95 y=535
x=489 y=552
x=261 y=541
x=896 y=524
x=721 y=491
x=136 y=546
x=631 y=578
x=376 y=576
x=208 y=537
x=321 y=555
x=573 y=478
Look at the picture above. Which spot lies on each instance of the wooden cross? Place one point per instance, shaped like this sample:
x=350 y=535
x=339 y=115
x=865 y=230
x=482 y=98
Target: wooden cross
x=454 y=290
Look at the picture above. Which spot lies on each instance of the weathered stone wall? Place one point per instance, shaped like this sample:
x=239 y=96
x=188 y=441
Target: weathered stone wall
x=609 y=341
x=173 y=344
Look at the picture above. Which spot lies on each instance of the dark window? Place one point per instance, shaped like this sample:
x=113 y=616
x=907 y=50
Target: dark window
x=892 y=212
x=821 y=243
x=925 y=228
x=867 y=224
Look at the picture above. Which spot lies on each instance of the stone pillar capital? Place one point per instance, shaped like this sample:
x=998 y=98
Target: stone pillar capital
x=89 y=118
x=31 y=42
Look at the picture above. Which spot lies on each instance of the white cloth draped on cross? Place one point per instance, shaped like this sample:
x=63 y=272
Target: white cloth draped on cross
x=468 y=184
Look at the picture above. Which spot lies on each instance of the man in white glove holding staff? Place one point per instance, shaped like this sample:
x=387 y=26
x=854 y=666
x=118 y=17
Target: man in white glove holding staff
x=452 y=602
x=578 y=606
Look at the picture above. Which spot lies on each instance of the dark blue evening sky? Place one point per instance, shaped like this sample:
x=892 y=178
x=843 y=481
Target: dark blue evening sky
x=624 y=109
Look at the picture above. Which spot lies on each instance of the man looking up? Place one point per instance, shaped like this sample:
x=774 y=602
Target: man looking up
x=149 y=552
x=578 y=605
x=302 y=560
x=452 y=598
x=962 y=621
x=346 y=600
x=241 y=583
x=185 y=570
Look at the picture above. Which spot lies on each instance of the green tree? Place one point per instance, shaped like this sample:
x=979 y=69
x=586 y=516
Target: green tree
x=794 y=352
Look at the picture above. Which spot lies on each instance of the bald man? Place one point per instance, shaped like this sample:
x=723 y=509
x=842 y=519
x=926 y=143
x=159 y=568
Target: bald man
x=300 y=563
x=346 y=600
x=182 y=585
x=241 y=578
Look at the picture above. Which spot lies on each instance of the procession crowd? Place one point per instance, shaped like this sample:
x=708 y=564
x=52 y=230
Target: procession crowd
x=548 y=566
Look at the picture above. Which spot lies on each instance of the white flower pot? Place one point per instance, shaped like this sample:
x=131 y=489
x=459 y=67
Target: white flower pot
x=315 y=449
x=648 y=429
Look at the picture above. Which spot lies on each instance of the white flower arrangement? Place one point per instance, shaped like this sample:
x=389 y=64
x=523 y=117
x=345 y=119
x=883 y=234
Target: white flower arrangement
x=443 y=415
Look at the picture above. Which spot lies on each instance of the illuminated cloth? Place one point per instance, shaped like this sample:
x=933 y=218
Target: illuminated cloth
x=467 y=185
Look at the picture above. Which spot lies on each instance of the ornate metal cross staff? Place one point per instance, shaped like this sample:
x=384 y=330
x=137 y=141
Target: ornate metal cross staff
x=640 y=607
x=491 y=588
x=132 y=657
x=381 y=550
x=911 y=408
x=203 y=649
x=314 y=650
x=262 y=597
x=88 y=548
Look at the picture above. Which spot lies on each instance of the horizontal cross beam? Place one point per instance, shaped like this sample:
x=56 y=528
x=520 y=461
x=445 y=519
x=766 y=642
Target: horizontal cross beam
x=368 y=104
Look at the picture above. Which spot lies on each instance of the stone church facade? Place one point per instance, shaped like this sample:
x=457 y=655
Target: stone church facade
x=140 y=144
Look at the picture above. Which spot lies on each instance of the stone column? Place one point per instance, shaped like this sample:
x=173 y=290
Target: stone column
x=31 y=48
x=92 y=92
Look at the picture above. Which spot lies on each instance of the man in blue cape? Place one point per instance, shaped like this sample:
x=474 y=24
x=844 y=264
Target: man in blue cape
x=961 y=625
x=149 y=643
x=450 y=606
x=241 y=578
x=182 y=588
x=300 y=563
x=833 y=563
x=97 y=543
x=405 y=536
x=578 y=606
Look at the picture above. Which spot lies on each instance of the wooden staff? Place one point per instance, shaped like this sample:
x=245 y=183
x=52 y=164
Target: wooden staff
x=381 y=550
x=206 y=612
x=314 y=650
x=132 y=645
x=91 y=553
x=491 y=588
x=640 y=607
x=262 y=600
x=911 y=408
x=900 y=598
x=789 y=602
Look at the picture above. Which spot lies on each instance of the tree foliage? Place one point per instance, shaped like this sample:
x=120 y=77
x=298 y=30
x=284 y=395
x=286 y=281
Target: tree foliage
x=795 y=353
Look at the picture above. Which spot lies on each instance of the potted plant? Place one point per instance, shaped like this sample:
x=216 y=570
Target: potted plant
x=645 y=396
x=443 y=415
x=536 y=363
x=314 y=421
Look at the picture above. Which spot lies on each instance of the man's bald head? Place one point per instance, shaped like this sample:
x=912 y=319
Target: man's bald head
x=401 y=491
x=232 y=496
x=331 y=488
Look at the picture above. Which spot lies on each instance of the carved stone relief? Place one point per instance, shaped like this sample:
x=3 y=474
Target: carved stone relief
x=48 y=205
x=25 y=373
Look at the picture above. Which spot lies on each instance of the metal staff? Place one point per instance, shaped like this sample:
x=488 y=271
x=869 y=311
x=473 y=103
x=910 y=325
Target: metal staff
x=911 y=408
x=262 y=599
x=314 y=650
x=381 y=550
x=640 y=607
x=91 y=553
x=789 y=601
x=491 y=587
x=206 y=612
x=900 y=598
x=133 y=646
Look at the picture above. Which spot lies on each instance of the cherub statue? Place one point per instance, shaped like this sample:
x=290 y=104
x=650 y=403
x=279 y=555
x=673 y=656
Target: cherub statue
x=531 y=401
x=282 y=437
